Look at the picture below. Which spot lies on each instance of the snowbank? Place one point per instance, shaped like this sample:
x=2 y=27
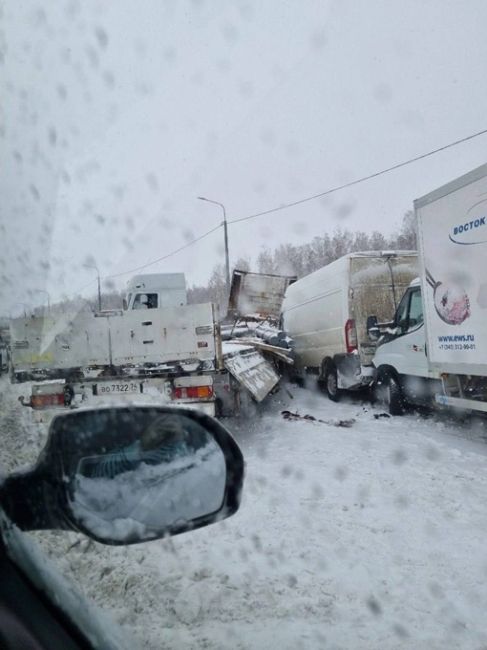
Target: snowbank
x=365 y=537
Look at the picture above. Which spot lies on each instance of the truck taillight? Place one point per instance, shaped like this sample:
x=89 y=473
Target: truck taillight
x=46 y=401
x=50 y=395
x=192 y=392
x=350 y=335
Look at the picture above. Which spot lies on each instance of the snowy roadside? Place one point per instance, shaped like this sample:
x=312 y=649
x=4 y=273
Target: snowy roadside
x=365 y=537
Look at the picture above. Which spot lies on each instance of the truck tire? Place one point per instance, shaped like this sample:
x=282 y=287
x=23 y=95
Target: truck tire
x=330 y=382
x=392 y=395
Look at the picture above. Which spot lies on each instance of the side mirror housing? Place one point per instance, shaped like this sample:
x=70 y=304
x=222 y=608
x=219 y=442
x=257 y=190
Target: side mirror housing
x=129 y=474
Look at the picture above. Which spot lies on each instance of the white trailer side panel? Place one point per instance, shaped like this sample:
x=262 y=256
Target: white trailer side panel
x=154 y=336
x=69 y=341
x=163 y=335
x=452 y=229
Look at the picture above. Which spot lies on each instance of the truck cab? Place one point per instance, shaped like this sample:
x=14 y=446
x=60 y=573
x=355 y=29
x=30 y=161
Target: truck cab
x=155 y=291
x=402 y=371
x=402 y=344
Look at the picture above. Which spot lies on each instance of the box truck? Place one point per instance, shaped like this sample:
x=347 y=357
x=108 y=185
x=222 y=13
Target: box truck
x=434 y=352
x=325 y=313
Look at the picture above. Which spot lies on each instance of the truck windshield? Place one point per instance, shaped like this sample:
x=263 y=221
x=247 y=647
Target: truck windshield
x=145 y=301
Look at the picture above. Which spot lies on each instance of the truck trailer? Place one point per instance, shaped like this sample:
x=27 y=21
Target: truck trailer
x=156 y=348
x=434 y=351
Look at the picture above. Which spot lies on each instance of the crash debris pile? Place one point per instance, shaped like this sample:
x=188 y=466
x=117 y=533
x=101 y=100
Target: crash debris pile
x=255 y=350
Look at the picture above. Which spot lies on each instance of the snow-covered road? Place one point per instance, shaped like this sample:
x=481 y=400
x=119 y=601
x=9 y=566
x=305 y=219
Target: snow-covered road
x=372 y=536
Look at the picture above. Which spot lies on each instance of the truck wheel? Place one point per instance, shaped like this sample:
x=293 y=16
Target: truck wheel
x=392 y=395
x=330 y=382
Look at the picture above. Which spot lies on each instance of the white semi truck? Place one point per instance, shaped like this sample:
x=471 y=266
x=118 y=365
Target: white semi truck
x=434 y=352
x=156 y=348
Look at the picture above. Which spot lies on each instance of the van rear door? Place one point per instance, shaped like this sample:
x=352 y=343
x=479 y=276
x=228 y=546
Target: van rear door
x=377 y=283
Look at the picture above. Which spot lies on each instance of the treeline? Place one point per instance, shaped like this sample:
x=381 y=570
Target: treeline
x=300 y=260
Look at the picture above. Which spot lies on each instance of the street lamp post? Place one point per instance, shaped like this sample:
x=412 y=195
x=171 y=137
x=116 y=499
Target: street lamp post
x=94 y=266
x=225 y=235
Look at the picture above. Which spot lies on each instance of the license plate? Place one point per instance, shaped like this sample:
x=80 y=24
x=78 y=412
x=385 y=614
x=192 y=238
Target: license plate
x=115 y=388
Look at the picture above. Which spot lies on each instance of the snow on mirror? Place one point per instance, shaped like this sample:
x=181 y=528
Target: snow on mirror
x=145 y=476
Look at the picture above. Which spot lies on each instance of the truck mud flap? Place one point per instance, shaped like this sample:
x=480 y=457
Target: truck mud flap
x=253 y=372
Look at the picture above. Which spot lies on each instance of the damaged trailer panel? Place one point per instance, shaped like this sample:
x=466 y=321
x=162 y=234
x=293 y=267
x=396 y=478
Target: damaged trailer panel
x=254 y=347
x=257 y=295
x=249 y=367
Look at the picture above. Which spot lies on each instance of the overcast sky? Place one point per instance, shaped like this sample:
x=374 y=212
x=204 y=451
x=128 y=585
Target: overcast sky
x=116 y=116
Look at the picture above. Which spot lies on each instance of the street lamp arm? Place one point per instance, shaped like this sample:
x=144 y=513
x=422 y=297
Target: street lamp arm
x=203 y=198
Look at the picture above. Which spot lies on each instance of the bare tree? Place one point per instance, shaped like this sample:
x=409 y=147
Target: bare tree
x=266 y=262
x=407 y=239
x=242 y=264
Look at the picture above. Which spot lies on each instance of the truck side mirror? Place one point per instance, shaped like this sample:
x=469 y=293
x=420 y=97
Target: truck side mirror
x=373 y=331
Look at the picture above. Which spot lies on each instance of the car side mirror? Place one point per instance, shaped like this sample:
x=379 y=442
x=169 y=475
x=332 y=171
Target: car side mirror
x=129 y=474
x=373 y=331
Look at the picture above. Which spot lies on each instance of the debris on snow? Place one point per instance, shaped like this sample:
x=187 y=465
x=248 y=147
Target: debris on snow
x=289 y=415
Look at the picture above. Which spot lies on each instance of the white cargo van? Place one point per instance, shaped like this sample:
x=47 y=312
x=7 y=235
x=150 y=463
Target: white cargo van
x=435 y=350
x=325 y=313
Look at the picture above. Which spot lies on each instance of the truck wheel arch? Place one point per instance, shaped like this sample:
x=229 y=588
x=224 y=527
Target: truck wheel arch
x=386 y=371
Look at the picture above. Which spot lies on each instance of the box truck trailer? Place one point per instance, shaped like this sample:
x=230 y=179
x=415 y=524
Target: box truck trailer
x=434 y=351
